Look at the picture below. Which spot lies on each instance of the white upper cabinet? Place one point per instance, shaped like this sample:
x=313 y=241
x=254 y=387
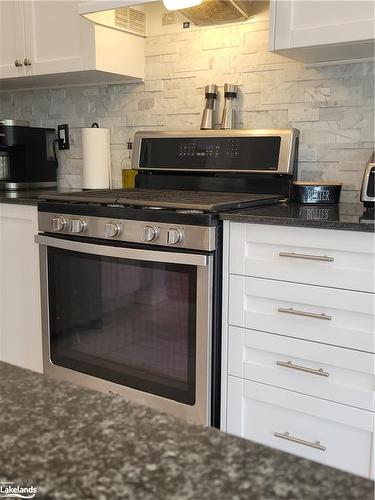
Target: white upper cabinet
x=50 y=48
x=12 y=39
x=315 y=31
x=48 y=43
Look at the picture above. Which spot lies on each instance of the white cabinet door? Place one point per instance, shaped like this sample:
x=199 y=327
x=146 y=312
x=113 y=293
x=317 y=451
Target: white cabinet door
x=337 y=317
x=329 y=258
x=342 y=375
x=322 y=30
x=12 y=39
x=298 y=309
x=61 y=48
x=326 y=432
x=54 y=37
x=20 y=309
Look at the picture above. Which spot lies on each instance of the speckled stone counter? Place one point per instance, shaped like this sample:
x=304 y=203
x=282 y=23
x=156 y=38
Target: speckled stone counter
x=21 y=197
x=72 y=443
x=345 y=216
x=29 y=197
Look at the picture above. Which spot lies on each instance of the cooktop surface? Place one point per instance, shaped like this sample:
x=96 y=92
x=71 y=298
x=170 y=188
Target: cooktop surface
x=206 y=201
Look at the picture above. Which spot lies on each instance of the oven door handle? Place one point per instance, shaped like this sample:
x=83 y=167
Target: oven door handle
x=190 y=259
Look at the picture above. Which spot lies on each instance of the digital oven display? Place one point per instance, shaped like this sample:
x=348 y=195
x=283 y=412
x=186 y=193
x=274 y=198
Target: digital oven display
x=227 y=153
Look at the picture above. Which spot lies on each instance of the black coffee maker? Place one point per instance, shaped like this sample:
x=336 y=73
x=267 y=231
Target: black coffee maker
x=27 y=158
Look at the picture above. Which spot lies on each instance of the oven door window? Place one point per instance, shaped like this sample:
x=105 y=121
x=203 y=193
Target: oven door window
x=126 y=321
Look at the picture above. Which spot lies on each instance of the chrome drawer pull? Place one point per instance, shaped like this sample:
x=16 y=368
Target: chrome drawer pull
x=294 y=255
x=288 y=437
x=296 y=312
x=289 y=364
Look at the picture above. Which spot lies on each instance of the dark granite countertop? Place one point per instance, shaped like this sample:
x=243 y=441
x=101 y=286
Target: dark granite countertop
x=72 y=443
x=29 y=197
x=345 y=216
x=23 y=197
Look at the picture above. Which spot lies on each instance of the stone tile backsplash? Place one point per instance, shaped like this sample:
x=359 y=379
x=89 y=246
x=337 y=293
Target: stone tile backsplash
x=333 y=106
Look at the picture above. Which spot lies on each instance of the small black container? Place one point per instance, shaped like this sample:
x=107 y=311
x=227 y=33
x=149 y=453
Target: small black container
x=316 y=193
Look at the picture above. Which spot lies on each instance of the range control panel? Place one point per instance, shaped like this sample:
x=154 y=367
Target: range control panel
x=134 y=231
x=210 y=153
x=192 y=149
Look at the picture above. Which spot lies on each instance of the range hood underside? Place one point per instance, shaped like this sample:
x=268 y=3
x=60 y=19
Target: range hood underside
x=211 y=12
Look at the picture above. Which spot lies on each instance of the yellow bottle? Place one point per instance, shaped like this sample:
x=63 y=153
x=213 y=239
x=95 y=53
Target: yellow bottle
x=128 y=178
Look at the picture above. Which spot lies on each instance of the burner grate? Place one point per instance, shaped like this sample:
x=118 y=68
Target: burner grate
x=156 y=199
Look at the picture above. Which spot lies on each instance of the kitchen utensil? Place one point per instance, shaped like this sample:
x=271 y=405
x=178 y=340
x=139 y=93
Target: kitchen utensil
x=4 y=166
x=27 y=158
x=208 y=117
x=229 y=114
x=367 y=190
x=128 y=178
x=318 y=193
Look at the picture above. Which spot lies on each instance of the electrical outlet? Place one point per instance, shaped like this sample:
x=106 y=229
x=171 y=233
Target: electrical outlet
x=63 y=136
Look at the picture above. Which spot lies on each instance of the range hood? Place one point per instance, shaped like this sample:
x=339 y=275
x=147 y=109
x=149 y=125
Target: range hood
x=116 y=14
x=221 y=11
x=128 y=15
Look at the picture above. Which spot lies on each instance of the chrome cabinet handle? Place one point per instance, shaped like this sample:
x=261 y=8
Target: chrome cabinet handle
x=296 y=312
x=294 y=255
x=288 y=437
x=18 y=63
x=313 y=371
x=26 y=62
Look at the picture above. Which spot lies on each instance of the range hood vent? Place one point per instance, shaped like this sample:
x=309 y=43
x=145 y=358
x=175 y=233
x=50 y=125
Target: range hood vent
x=129 y=19
x=118 y=14
x=221 y=11
x=113 y=14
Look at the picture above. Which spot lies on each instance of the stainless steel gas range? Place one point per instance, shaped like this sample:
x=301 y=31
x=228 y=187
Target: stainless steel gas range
x=131 y=288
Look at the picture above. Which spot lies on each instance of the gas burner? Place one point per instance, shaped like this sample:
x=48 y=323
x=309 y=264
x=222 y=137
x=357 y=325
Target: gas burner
x=189 y=211
x=152 y=208
x=186 y=202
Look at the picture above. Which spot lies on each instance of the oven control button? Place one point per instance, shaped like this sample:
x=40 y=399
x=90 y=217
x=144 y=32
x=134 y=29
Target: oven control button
x=58 y=223
x=77 y=225
x=111 y=230
x=174 y=236
x=150 y=233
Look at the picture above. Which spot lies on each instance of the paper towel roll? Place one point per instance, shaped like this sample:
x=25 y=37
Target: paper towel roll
x=96 y=158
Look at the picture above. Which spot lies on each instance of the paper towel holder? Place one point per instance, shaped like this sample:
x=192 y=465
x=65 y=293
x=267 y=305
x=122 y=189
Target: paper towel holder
x=96 y=168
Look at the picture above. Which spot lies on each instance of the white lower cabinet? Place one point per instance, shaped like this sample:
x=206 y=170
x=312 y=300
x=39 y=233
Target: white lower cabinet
x=332 y=316
x=323 y=431
x=298 y=347
x=335 y=374
x=328 y=258
x=20 y=309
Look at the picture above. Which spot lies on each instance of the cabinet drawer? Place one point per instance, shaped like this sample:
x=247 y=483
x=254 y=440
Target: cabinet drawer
x=329 y=433
x=340 y=259
x=337 y=317
x=342 y=375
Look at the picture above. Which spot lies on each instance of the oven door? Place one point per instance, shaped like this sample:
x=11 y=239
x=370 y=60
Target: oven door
x=130 y=321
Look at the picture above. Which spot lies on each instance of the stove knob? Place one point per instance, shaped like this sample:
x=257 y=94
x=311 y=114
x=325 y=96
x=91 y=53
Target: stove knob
x=150 y=233
x=174 y=236
x=58 y=223
x=77 y=225
x=111 y=230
